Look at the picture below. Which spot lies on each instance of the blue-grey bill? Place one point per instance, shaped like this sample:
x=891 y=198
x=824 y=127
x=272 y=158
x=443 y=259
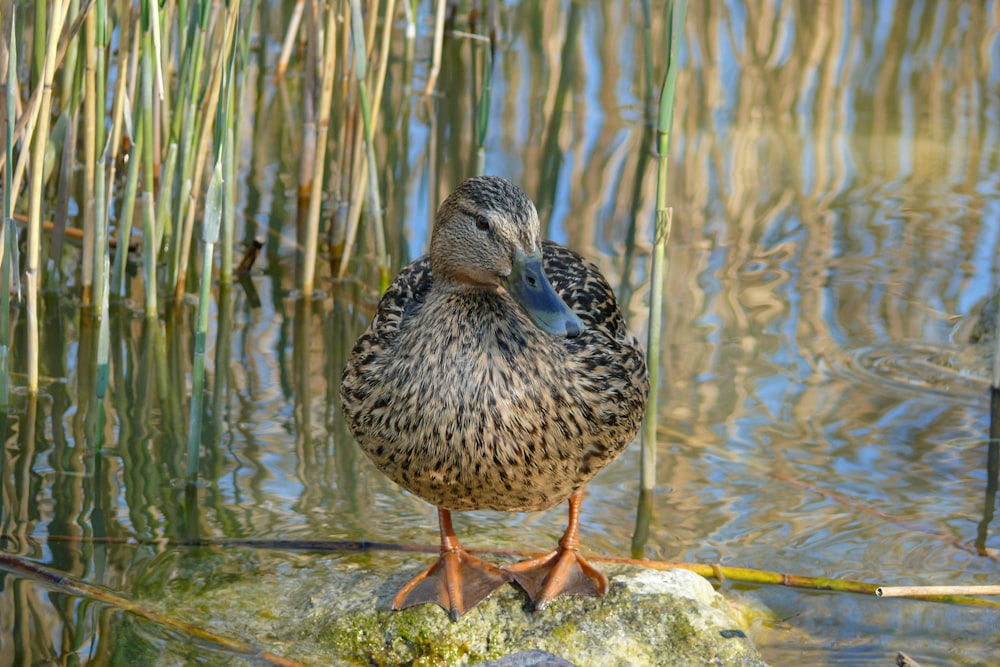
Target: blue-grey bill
x=532 y=290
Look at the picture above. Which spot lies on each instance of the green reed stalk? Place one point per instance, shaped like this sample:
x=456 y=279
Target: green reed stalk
x=210 y=234
x=209 y=110
x=664 y=216
x=7 y=242
x=118 y=120
x=232 y=147
x=345 y=232
x=211 y=222
x=483 y=111
x=67 y=160
x=39 y=139
x=189 y=96
x=374 y=201
x=229 y=194
x=136 y=160
x=149 y=249
x=328 y=69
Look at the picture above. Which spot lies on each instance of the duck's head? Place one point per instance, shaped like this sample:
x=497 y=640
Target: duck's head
x=486 y=236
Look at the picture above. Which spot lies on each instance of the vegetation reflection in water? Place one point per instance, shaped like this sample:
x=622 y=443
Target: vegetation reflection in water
x=835 y=195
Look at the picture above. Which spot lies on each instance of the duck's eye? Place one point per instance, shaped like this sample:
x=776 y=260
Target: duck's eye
x=482 y=223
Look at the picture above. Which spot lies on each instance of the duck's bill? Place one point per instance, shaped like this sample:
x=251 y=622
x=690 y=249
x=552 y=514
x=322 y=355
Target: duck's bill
x=530 y=287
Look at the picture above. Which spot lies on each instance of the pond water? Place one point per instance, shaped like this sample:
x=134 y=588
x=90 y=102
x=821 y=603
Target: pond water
x=835 y=178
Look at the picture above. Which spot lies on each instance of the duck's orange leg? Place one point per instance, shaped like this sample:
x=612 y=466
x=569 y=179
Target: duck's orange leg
x=563 y=571
x=457 y=581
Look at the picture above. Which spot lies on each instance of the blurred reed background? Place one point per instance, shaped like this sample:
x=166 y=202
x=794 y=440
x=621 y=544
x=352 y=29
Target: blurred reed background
x=833 y=178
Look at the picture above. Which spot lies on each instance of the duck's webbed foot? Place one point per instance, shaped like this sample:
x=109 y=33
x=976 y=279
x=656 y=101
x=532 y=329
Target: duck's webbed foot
x=457 y=581
x=563 y=571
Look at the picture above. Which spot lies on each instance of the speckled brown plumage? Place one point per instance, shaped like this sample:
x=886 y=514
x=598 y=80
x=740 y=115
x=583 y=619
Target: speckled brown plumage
x=457 y=396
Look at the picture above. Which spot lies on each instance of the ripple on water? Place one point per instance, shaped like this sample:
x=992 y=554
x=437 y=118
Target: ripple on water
x=945 y=370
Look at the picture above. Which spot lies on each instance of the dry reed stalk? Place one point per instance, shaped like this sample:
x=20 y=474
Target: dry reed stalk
x=286 y=46
x=307 y=154
x=102 y=199
x=328 y=68
x=438 y=43
x=926 y=591
x=89 y=152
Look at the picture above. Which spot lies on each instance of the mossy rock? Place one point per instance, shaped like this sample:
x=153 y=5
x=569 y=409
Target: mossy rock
x=332 y=611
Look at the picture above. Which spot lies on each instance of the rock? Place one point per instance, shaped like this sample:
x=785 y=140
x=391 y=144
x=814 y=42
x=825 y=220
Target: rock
x=533 y=658
x=335 y=611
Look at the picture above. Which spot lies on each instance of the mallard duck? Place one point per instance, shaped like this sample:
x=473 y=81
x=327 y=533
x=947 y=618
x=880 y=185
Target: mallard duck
x=497 y=373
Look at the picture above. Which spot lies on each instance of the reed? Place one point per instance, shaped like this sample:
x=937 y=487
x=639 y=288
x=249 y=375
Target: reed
x=90 y=148
x=211 y=222
x=122 y=123
x=439 y=19
x=8 y=245
x=345 y=230
x=191 y=123
x=374 y=200
x=664 y=216
x=39 y=140
x=234 y=121
x=69 y=117
x=483 y=106
x=326 y=45
x=149 y=249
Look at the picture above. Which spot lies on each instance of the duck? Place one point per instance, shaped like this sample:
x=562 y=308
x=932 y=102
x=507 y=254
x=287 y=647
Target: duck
x=497 y=373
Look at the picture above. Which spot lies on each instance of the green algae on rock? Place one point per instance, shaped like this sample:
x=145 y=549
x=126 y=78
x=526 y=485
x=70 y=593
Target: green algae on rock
x=334 y=610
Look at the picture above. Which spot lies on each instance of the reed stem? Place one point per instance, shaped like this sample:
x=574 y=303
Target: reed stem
x=39 y=140
x=7 y=241
x=328 y=68
x=374 y=201
x=439 y=17
x=149 y=249
x=664 y=217
x=90 y=144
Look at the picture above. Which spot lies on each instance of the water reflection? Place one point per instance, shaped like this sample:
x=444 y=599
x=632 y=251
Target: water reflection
x=835 y=194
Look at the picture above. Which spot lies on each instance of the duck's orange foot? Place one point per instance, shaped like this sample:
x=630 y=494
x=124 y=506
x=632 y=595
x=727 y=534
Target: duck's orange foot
x=457 y=581
x=562 y=572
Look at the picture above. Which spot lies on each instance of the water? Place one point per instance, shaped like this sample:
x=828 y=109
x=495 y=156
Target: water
x=834 y=179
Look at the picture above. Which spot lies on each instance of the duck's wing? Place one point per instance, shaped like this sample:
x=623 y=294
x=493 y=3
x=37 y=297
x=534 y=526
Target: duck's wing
x=584 y=289
x=405 y=295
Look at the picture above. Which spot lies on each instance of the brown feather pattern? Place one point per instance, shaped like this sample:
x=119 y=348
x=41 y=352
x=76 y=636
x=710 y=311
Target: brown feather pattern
x=459 y=398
